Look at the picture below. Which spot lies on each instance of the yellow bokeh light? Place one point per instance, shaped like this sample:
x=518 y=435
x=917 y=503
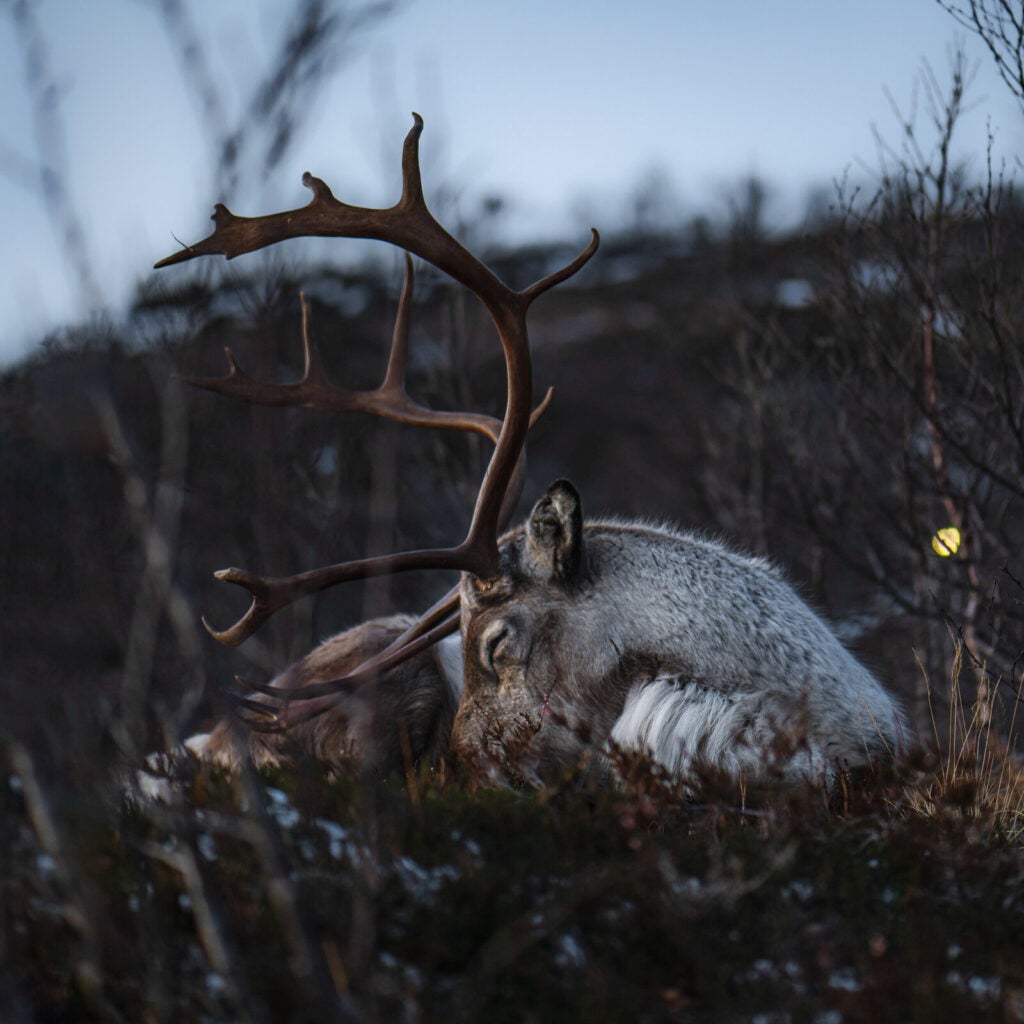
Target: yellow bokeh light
x=946 y=541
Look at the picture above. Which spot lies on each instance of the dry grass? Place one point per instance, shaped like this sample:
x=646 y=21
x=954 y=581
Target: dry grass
x=975 y=769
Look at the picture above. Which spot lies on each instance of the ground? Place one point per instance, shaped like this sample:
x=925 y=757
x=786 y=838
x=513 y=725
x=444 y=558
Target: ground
x=290 y=897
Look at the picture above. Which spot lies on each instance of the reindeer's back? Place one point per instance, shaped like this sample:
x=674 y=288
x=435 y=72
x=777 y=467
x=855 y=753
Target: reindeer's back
x=733 y=624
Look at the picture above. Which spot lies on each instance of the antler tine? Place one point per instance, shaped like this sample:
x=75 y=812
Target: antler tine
x=314 y=391
x=410 y=225
x=394 y=375
x=439 y=621
x=342 y=686
x=270 y=593
x=557 y=277
x=267 y=717
x=264 y=710
x=390 y=399
x=316 y=698
x=312 y=364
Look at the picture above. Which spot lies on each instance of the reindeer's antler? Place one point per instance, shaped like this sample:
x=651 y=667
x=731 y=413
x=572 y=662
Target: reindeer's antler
x=410 y=225
x=314 y=391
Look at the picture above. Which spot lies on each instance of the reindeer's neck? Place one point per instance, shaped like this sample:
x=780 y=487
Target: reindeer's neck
x=448 y=655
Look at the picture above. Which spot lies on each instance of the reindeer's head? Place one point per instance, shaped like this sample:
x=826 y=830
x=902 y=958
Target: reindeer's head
x=537 y=649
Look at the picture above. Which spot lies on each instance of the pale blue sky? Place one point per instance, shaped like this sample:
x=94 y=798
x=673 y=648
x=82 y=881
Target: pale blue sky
x=561 y=106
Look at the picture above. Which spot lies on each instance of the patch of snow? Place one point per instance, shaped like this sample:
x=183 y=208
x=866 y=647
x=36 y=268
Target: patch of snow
x=215 y=983
x=569 y=952
x=337 y=837
x=983 y=989
x=845 y=979
x=423 y=884
x=799 y=890
x=207 y=847
x=281 y=809
x=327 y=461
x=794 y=293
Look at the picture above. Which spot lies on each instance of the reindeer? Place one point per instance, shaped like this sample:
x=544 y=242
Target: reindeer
x=640 y=637
x=579 y=640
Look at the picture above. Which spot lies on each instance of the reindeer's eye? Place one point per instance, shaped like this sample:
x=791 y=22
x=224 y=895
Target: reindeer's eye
x=496 y=646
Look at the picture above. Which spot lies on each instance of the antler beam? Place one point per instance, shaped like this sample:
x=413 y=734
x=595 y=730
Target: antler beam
x=410 y=225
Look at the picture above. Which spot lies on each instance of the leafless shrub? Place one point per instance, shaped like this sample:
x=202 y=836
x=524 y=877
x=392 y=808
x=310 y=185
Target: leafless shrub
x=46 y=174
x=1000 y=26
x=315 y=38
x=905 y=440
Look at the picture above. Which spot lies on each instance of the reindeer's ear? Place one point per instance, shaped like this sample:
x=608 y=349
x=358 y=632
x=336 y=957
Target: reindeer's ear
x=554 y=534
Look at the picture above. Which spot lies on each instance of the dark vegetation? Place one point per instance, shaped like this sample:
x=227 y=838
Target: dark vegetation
x=418 y=901
x=832 y=398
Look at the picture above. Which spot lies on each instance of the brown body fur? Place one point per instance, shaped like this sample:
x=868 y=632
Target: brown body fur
x=398 y=719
